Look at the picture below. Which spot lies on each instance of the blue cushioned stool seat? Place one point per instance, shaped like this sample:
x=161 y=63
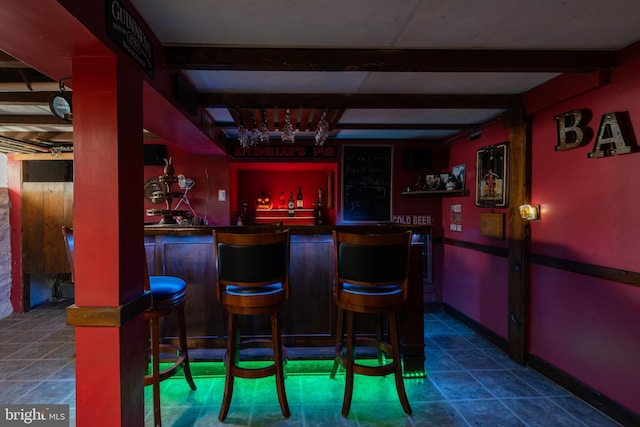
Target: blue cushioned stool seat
x=249 y=290
x=372 y=290
x=166 y=286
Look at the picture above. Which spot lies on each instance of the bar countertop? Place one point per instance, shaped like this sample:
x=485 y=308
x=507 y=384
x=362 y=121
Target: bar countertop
x=201 y=230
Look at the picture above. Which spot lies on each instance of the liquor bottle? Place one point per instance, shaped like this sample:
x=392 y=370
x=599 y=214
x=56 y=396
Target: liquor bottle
x=318 y=204
x=282 y=203
x=299 y=203
x=291 y=205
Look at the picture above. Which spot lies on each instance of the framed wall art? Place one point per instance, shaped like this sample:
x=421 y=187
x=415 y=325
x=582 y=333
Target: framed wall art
x=492 y=176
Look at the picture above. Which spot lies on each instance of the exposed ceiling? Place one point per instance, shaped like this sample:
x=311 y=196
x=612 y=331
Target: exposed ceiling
x=381 y=69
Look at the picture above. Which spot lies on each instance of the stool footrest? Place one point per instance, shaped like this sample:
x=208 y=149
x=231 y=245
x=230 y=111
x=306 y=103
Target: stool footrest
x=359 y=368
x=169 y=371
x=263 y=372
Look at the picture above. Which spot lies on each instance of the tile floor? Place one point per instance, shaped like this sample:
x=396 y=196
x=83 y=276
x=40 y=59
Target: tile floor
x=469 y=383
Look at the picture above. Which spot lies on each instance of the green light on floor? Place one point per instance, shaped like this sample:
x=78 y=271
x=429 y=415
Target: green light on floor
x=414 y=374
x=306 y=367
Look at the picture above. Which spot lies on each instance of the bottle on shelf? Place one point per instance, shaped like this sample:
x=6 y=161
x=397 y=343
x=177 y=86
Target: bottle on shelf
x=282 y=203
x=299 y=202
x=318 y=208
x=291 y=204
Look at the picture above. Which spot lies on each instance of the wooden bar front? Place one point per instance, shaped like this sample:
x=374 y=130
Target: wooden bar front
x=309 y=316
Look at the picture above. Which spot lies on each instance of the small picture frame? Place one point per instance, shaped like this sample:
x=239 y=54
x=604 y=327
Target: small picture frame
x=456 y=178
x=436 y=181
x=492 y=176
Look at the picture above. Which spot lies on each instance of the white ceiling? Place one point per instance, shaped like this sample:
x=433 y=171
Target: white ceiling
x=376 y=24
x=419 y=24
x=449 y=24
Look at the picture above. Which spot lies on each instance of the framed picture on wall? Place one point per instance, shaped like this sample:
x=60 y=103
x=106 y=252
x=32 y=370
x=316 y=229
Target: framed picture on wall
x=492 y=176
x=456 y=179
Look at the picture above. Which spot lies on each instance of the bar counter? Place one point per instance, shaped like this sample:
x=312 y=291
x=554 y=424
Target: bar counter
x=309 y=317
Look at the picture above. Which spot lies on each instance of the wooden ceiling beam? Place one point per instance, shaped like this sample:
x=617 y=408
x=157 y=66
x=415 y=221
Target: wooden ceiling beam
x=30 y=119
x=408 y=126
x=378 y=126
x=339 y=100
x=27 y=98
x=400 y=60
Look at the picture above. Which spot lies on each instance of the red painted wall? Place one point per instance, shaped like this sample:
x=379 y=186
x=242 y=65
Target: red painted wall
x=475 y=283
x=582 y=325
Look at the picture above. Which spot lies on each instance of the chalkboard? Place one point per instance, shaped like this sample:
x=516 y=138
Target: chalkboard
x=366 y=183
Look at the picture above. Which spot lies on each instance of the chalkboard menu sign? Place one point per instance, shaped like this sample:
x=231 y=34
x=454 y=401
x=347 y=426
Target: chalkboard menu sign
x=366 y=183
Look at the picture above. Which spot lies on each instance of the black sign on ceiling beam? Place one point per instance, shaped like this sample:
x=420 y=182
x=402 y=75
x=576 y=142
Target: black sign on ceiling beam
x=290 y=151
x=127 y=33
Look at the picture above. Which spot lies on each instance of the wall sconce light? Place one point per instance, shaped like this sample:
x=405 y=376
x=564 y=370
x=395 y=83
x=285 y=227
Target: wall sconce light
x=530 y=212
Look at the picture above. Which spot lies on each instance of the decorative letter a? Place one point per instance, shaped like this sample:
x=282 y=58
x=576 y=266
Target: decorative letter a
x=611 y=139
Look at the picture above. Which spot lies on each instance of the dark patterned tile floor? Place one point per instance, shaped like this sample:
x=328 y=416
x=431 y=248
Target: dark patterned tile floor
x=469 y=383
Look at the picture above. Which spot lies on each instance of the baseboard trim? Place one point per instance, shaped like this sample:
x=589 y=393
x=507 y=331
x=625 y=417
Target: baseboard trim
x=593 y=397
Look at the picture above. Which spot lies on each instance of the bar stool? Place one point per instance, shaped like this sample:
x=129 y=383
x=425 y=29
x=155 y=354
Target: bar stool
x=168 y=296
x=252 y=279
x=371 y=277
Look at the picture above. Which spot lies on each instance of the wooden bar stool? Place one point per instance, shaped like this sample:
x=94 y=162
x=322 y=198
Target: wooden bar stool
x=252 y=279
x=371 y=277
x=168 y=296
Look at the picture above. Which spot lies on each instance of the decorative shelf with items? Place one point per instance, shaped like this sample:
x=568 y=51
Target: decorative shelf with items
x=289 y=211
x=158 y=190
x=439 y=184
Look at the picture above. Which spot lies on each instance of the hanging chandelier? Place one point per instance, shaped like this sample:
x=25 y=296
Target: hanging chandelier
x=257 y=131
x=259 y=134
x=287 y=133
x=322 y=131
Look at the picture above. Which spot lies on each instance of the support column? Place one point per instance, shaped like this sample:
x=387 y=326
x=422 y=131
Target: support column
x=109 y=246
x=519 y=241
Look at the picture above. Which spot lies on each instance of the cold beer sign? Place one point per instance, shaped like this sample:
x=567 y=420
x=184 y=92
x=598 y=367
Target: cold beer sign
x=412 y=219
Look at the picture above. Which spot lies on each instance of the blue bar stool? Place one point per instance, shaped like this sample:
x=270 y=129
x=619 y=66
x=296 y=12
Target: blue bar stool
x=168 y=296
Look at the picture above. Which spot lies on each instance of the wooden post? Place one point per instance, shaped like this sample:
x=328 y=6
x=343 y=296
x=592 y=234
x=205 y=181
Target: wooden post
x=519 y=240
x=109 y=246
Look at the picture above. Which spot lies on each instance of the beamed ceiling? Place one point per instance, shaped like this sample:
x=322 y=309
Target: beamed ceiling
x=379 y=69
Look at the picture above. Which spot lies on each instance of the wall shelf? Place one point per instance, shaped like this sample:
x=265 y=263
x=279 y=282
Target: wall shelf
x=435 y=193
